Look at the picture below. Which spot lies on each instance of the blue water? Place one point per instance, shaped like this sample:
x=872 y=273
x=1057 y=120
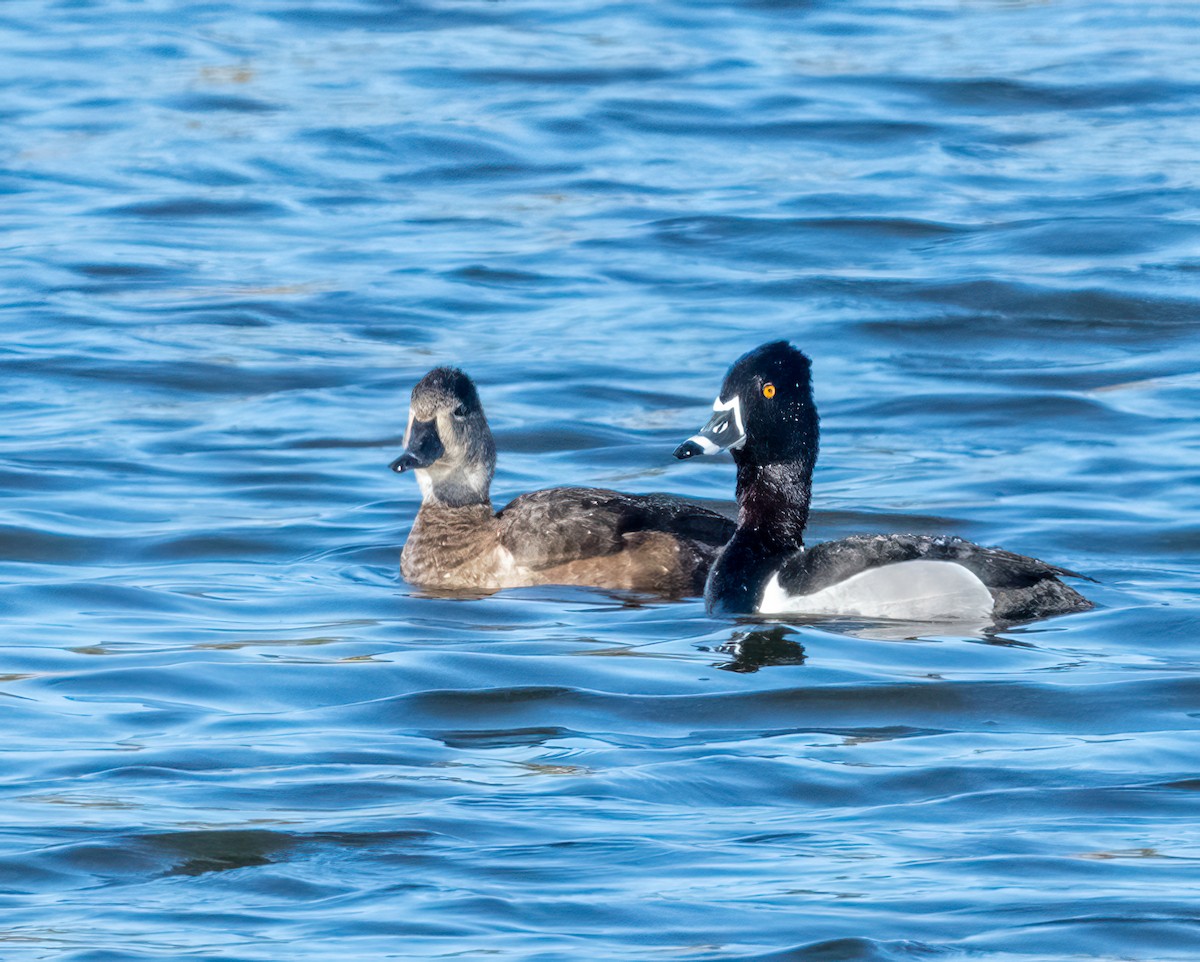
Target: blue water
x=235 y=234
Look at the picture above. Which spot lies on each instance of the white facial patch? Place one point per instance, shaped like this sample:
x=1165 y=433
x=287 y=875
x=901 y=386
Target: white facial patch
x=734 y=404
x=424 y=482
x=706 y=444
x=408 y=428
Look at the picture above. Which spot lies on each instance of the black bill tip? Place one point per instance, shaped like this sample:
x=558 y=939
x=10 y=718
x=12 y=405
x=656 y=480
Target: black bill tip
x=404 y=462
x=689 y=449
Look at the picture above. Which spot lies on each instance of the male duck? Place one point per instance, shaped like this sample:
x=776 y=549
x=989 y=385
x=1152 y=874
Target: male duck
x=563 y=536
x=765 y=416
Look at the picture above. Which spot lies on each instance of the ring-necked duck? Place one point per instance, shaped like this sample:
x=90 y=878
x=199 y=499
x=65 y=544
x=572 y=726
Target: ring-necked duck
x=765 y=416
x=565 y=536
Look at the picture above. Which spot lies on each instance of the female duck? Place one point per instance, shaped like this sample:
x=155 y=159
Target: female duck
x=765 y=416
x=564 y=536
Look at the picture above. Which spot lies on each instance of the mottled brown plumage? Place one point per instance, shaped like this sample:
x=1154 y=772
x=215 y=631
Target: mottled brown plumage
x=568 y=536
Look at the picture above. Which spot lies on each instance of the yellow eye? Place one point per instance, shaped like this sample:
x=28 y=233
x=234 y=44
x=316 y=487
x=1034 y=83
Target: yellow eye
x=768 y=391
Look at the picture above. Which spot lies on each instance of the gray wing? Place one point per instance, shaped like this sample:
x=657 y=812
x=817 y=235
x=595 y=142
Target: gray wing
x=832 y=561
x=552 y=527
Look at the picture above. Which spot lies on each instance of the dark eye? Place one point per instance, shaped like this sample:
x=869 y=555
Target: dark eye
x=460 y=412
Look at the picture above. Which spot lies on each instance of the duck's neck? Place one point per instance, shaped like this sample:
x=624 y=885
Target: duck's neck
x=772 y=514
x=773 y=504
x=456 y=486
x=444 y=540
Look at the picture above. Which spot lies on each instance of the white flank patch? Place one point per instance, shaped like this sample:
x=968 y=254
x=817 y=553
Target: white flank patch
x=505 y=566
x=906 y=591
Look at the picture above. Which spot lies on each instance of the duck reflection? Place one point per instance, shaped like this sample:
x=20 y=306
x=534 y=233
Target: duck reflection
x=755 y=648
x=752 y=648
x=880 y=630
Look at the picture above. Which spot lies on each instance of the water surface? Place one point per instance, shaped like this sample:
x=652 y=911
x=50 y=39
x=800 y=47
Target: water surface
x=236 y=235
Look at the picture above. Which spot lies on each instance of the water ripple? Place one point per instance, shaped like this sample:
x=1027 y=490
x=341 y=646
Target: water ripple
x=239 y=234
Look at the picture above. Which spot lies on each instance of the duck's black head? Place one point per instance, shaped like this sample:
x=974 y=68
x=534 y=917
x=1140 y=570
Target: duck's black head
x=765 y=417
x=448 y=441
x=765 y=412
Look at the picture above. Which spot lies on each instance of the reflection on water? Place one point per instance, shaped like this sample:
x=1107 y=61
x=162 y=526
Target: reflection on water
x=237 y=235
x=759 y=647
